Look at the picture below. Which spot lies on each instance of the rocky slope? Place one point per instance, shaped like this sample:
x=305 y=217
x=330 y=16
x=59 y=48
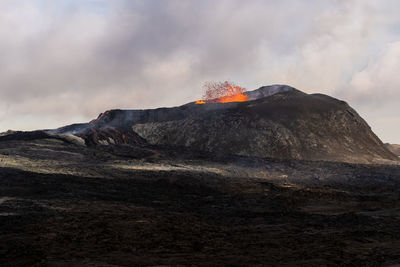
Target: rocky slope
x=395 y=149
x=278 y=122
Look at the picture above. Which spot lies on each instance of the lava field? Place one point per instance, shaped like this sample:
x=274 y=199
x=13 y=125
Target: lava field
x=65 y=204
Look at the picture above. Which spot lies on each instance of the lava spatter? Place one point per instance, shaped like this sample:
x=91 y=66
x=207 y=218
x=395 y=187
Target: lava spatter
x=223 y=92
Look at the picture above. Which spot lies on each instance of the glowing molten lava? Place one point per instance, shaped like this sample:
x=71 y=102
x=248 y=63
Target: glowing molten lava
x=223 y=92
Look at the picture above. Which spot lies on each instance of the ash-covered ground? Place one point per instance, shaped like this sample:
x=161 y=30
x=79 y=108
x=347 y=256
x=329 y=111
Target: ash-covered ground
x=64 y=204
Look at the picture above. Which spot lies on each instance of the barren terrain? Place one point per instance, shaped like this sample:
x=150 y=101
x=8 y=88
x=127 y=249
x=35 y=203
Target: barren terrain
x=63 y=204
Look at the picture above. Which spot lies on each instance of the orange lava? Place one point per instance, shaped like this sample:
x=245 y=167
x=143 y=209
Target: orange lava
x=223 y=92
x=234 y=98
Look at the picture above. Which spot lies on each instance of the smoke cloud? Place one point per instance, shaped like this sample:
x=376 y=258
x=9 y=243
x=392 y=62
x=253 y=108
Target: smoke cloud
x=67 y=61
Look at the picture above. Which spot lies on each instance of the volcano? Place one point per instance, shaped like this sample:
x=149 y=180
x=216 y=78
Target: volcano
x=268 y=181
x=277 y=121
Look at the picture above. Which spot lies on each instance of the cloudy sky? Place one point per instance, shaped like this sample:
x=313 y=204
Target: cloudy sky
x=65 y=61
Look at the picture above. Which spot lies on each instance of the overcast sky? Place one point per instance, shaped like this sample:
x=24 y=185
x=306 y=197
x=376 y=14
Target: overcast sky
x=65 y=61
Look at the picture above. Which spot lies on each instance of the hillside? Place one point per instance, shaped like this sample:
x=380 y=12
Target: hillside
x=278 y=122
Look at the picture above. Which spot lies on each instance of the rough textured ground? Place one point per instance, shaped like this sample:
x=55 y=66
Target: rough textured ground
x=62 y=204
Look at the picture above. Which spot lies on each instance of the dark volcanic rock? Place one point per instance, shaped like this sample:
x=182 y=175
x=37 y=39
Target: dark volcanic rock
x=110 y=135
x=39 y=135
x=279 y=122
x=105 y=130
x=63 y=205
x=266 y=91
x=24 y=136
